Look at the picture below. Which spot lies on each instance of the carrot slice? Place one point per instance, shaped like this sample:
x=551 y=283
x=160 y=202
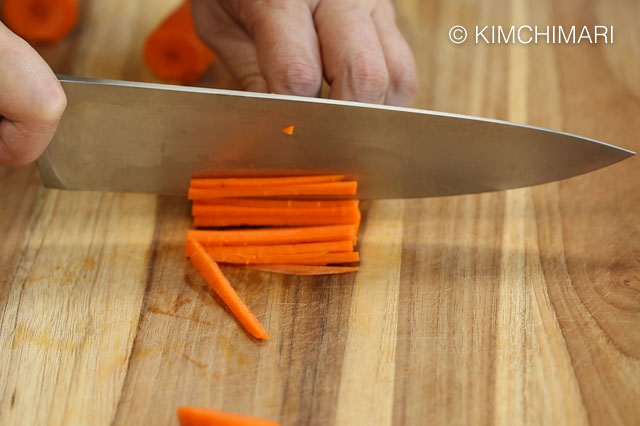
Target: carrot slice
x=278 y=204
x=331 y=188
x=274 y=220
x=273 y=235
x=283 y=259
x=288 y=130
x=303 y=269
x=40 y=21
x=197 y=416
x=219 y=283
x=323 y=247
x=266 y=181
x=222 y=210
x=174 y=51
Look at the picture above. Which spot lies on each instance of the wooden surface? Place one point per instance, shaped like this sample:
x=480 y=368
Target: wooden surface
x=519 y=307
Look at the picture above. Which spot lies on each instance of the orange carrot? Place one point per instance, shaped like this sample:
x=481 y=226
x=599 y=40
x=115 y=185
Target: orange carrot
x=197 y=416
x=287 y=249
x=174 y=51
x=278 y=204
x=273 y=235
x=303 y=269
x=40 y=21
x=288 y=130
x=219 y=283
x=331 y=188
x=222 y=210
x=283 y=259
x=274 y=220
x=262 y=181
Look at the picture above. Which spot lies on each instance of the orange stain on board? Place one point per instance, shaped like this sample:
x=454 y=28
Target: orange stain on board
x=288 y=130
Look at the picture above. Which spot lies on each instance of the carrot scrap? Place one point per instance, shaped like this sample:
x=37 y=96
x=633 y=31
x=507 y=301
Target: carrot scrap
x=288 y=130
x=219 y=283
x=283 y=259
x=273 y=235
x=331 y=188
x=322 y=247
x=262 y=181
x=303 y=269
x=40 y=21
x=174 y=51
x=197 y=416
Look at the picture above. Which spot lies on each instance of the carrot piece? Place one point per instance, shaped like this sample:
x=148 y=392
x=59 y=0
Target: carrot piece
x=274 y=220
x=219 y=283
x=288 y=130
x=286 y=249
x=262 y=181
x=331 y=188
x=174 y=51
x=213 y=210
x=40 y=21
x=273 y=235
x=197 y=416
x=283 y=259
x=278 y=204
x=303 y=269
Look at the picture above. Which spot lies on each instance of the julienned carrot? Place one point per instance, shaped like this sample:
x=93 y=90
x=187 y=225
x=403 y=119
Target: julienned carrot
x=330 y=188
x=273 y=235
x=323 y=247
x=40 y=21
x=274 y=220
x=222 y=210
x=284 y=259
x=197 y=416
x=219 y=283
x=260 y=181
x=278 y=204
x=174 y=51
x=303 y=269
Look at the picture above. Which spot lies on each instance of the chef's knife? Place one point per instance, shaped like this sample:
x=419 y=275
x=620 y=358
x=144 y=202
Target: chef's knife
x=140 y=137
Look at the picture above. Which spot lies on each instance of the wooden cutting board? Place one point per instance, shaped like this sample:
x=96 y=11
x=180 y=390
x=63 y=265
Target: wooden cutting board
x=518 y=307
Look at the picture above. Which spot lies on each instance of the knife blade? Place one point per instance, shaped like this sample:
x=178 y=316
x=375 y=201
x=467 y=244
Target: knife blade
x=141 y=137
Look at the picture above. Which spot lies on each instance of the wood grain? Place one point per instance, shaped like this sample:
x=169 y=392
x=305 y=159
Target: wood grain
x=518 y=307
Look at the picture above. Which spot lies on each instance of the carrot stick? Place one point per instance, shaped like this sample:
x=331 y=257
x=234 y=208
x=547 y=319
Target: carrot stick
x=219 y=283
x=222 y=210
x=303 y=269
x=286 y=249
x=273 y=235
x=274 y=220
x=174 y=51
x=266 y=181
x=197 y=416
x=40 y=21
x=331 y=188
x=284 y=259
x=278 y=204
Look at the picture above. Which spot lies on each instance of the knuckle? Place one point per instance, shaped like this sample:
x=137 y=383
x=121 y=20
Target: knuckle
x=52 y=103
x=404 y=79
x=298 y=78
x=370 y=77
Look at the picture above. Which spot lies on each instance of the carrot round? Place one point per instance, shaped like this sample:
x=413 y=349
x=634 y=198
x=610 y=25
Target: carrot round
x=303 y=269
x=40 y=21
x=174 y=51
x=197 y=416
x=283 y=259
x=273 y=235
x=219 y=283
x=330 y=188
x=262 y=181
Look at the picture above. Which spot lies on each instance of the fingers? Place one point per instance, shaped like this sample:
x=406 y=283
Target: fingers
x=403 y=80
x=232 y=44
x=31 y=101
x=354 y=62
x=287 y=46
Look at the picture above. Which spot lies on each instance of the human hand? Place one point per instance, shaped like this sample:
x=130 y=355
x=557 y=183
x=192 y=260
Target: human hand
x=31 y=101
x=287 y=46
